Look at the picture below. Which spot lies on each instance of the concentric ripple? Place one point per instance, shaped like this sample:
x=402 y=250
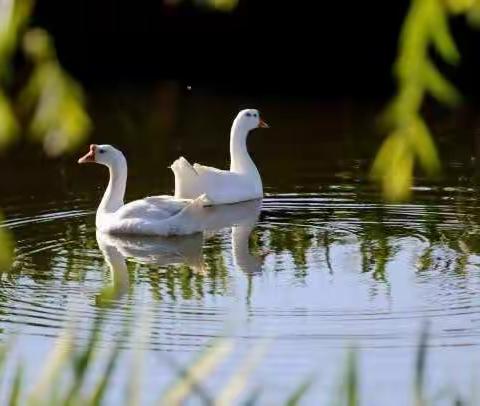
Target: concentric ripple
x=311 y=272
x=325 y=269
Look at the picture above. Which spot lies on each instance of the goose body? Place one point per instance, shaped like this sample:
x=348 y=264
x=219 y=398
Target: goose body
x=241 y=183
x=155 y=215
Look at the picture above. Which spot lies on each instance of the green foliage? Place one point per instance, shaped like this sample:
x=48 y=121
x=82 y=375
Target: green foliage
x=220 y=5
x=6 y=249
x=13 y=18
x=54 y=100
x=223 y=5
x=50 y=105
x=425 y=30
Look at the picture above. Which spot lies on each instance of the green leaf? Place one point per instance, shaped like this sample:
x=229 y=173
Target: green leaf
x=8 y=122
x=439 y=87
x=223 y=5
x=424 y=147
x=440 y=33
x=6 y=249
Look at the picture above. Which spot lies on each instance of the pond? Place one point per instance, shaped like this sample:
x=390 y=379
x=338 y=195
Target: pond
x=321 y=265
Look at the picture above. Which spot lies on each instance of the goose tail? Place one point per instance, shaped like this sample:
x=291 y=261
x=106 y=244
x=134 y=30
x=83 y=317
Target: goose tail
x=186 y=177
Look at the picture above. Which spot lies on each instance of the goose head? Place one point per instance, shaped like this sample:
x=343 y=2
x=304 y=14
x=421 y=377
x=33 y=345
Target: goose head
x=104 y=155
x=250 y=119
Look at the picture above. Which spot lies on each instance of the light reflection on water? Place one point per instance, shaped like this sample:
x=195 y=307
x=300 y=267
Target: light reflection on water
x=318 y=265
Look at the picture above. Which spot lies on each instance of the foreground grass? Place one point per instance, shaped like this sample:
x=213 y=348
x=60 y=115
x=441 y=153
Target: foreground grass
x=66 y=376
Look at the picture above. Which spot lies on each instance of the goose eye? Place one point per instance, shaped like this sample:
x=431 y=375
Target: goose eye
x=101 y=151
x=248 y=115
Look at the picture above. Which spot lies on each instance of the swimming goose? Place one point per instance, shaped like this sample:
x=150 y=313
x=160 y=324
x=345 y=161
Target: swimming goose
x=154 y=215
x=241 y=183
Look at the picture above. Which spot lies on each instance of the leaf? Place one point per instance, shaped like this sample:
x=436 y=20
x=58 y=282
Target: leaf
x=223 y=5
x=393 y=145
x=8 y=123
x=439 y=87
x=14 y=15
x=56 y=102
x=440 y=33
x=473 y=15
x=398 y=178
x=6 y=249
x=460 y=6
x=424 y=147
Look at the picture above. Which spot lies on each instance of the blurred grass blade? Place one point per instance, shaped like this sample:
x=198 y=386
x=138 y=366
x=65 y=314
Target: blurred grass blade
x=296 y=396
x=82 y=360
x=16 y=387
x=55 y=363
x=352 y=379
x=102 y=385
x=420 y=363
x=135 y=382
x=238 y=381
x=253 y=397
x=201 y=368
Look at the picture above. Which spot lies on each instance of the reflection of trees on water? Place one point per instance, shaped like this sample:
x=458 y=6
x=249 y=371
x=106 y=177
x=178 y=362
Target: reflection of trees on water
x=443 y=237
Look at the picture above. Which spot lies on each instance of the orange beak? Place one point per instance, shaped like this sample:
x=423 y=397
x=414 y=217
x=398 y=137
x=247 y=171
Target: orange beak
x=89 y=156
x=263 y=124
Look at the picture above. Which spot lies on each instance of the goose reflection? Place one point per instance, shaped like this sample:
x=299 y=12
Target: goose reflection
x=146 y=250
x=242 y=217
x=186 y=250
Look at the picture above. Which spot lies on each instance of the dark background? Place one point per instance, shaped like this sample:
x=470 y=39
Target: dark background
x=321 y=48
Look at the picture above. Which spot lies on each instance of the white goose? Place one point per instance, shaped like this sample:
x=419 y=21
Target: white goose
x=156 y=215
x=241 y=183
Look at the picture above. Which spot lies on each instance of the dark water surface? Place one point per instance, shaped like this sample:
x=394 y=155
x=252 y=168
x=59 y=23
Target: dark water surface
x=320 y=265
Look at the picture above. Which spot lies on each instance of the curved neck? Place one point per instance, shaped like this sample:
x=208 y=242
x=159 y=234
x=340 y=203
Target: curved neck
x=240 y=160
x=113 y=197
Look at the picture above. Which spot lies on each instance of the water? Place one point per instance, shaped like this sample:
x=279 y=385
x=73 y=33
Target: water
x=320 y=265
